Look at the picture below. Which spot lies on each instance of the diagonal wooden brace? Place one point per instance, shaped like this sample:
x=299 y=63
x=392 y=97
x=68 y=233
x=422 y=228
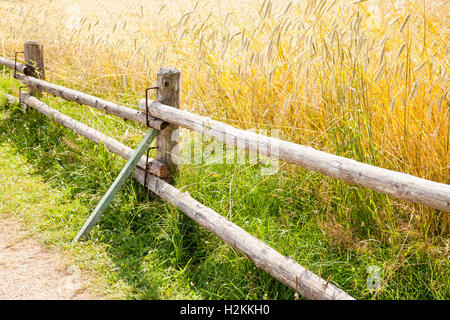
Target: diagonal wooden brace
x=117 y=184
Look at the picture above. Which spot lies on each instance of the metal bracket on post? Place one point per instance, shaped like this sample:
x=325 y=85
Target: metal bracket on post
x=146 y=120
x=117 y=184
x=146 y=103
x=15 y=62
x=29 y=70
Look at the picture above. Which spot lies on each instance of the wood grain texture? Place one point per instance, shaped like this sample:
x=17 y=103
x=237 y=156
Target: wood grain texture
x=95 y=102
x=168 y=93
x=396 y=184
x=33 y=52
x=155 y=167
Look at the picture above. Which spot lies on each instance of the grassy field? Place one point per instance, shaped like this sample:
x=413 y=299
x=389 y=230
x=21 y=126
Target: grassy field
x=367 y=80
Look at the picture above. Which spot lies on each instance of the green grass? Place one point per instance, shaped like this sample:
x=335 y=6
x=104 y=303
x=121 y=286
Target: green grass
x=143 y=248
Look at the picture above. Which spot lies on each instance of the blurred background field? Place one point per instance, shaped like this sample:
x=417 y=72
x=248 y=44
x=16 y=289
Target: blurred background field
x=366 y=80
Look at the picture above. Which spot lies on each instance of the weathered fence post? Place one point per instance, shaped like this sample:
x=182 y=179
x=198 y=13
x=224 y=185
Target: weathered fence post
x=168 y=93
x=33 y=52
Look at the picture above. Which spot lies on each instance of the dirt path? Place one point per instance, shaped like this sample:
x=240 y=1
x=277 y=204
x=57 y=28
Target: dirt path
x=28 y=271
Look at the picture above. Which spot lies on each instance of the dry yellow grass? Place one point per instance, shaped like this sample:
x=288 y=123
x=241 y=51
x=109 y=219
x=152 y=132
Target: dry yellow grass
x=349 y=77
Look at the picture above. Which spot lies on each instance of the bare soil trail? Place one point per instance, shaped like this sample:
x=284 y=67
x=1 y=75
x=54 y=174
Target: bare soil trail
x=29 y=271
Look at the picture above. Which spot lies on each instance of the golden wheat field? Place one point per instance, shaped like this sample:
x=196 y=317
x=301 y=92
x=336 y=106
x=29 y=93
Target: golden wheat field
x=378 y=69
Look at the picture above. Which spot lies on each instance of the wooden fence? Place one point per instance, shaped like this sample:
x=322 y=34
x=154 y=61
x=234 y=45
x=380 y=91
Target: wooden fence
x=165 y=116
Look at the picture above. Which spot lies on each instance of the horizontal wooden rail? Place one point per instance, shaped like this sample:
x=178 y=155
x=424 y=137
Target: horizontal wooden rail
x=285 y=269
x=155 y=167
x=399 y=185
x=23 y=68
